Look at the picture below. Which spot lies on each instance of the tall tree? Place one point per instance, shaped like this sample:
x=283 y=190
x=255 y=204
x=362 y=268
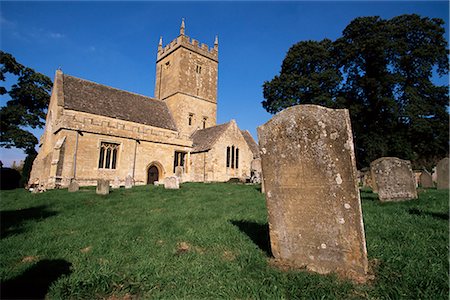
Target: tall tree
x=384 y=70
x=27 y=106
x=308 y=76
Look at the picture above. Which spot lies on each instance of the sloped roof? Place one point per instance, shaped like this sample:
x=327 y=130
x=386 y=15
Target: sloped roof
x=86 y=96
x=204 y=139
x=251 y=143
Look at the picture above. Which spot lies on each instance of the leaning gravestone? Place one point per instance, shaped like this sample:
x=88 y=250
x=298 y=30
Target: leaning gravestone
x=116 y=183
x=102 y=187
x=73 y=186
x=309 y=175
x=128 y=182
x=171 y=182
x=394 y=179
x=442 y=174
x=426 y=180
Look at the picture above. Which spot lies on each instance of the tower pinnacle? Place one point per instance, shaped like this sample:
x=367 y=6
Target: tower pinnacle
x=216 y=42
x=182 y=27
x=160 y=43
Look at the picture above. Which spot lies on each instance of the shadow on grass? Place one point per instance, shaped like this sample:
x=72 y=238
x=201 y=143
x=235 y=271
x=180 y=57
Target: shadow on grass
x=12 y=221
x=368 y=194
x=436 y=215
x=258 y=233
x=35 y=281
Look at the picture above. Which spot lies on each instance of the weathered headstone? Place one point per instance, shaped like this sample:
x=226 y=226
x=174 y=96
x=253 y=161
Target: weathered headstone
x=171 y=182
x=128 y=182
x=255 y=170
x=73 y=186
x=116 y=183
x=156 y=183
x=394 y=179
x=102 y=187
x=309 y=175
x=179 y=171
x=425 y=180
x=442 y=174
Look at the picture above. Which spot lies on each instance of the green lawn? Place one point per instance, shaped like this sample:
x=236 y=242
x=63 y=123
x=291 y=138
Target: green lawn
x=202 y=241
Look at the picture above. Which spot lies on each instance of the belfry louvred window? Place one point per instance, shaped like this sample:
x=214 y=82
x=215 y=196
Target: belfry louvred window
x=108 y=156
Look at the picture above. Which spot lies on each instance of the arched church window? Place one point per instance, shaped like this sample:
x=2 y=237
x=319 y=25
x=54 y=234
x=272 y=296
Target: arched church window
x=108 y=156
x=228 y=157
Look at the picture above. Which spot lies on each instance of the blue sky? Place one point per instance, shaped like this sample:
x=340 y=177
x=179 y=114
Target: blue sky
x=115 y=43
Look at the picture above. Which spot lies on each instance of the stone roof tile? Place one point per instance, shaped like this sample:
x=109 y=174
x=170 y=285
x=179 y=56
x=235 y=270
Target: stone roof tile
x=204 y=139
x=251 y=143
x=86 y=96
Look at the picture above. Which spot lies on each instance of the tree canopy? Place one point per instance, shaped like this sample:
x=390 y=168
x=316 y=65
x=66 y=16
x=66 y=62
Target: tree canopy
x=29 y=98
x=381 y=70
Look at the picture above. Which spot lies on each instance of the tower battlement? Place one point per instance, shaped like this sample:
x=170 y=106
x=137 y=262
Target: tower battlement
x=189 y=43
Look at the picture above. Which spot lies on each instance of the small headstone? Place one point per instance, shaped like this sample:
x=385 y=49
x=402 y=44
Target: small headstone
x=255 y=170
x=73 y=186
x=309 y=172
x=102 y=187
x=425 y=180
x=442 y=174
x=394 y=179
x=156 y=183
x=116 y=183
x=179 y=171
x=171 y=182
x=128 y=182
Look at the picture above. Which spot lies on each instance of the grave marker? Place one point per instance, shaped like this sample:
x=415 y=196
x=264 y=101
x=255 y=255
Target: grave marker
x=309 y=175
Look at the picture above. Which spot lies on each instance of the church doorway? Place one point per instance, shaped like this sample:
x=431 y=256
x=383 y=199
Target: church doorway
x=152 y=174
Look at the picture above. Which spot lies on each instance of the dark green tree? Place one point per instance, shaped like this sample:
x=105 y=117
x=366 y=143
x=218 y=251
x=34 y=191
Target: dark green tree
x=308 y=76
x=381 y=71
x=27 y=106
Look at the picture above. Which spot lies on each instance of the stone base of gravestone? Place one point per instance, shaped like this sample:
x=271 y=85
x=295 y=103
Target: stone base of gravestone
x=425 y=179
x=171 y=182
x=442 y=174
x=128 y=182
x=102 y=187
x=394 y=179
x=309 y=176
x=116 y=183
x=73 y=186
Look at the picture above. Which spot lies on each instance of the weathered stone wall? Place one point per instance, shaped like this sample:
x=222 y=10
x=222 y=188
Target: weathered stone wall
x=183 y=105
x=231 y=137
x=186 y=78
x=212 y=165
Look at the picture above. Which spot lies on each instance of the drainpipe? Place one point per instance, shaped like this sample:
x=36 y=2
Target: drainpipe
x=75 y=157
x=134 y=159
x=204 y=166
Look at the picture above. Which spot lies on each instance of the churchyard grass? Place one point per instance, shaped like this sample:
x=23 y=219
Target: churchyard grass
x=203 y=241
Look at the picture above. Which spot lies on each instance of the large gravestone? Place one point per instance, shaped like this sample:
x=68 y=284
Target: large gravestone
x=171 y=182
x=394 y=179
x=426 y=180
x=442 y=174
x=309 y=174
x=102 y=187
x=73 y=186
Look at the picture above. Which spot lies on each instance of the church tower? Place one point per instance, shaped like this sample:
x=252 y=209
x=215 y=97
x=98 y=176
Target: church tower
x=186 y=79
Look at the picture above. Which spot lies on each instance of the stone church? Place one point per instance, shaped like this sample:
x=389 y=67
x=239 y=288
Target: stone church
x=95 y=131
